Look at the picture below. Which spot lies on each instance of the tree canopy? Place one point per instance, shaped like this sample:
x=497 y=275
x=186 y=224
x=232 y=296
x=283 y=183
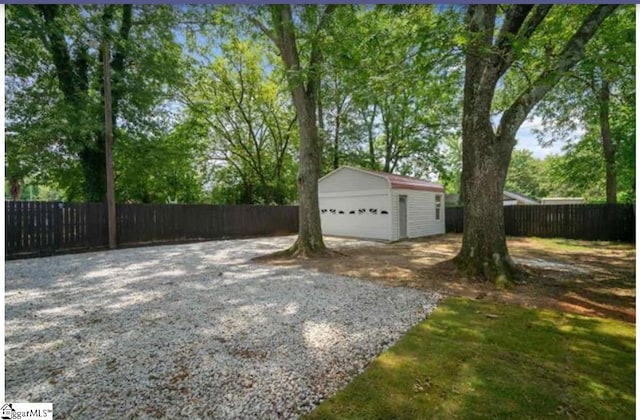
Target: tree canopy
x=205 y=111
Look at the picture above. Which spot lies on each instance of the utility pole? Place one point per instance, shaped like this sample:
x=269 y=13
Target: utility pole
x=108 y=134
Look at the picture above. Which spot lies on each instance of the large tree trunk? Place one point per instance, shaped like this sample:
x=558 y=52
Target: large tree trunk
x=309 y=230
x=485 y=160
x=486 y=153
x=484 y=252
x=608 y=147
x=309 y=242
x=73 y=80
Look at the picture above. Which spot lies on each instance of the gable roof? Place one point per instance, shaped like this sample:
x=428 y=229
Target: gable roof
x=520 y=197
x=397 y=181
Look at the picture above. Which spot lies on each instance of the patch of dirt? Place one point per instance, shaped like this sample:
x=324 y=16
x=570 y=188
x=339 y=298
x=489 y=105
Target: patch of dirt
x=589 y=278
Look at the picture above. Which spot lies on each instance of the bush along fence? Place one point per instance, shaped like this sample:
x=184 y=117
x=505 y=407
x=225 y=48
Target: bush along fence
x=47 y=228
x=594 y=222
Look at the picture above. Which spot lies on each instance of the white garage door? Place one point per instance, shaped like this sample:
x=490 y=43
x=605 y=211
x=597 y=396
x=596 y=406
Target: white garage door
x=365 y=216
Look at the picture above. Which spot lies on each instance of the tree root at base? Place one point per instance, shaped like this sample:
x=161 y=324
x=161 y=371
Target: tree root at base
x=503 y=273
x=296 y=251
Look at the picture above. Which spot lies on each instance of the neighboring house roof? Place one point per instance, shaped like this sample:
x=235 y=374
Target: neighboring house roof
x=519 y=197
x=400 y=181
x=452 y=198
x=553 y=199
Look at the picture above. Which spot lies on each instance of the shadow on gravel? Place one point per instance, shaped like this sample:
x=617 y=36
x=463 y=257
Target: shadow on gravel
x=190 y=330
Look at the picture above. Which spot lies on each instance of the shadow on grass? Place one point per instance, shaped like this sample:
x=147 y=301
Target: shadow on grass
x=483 y=360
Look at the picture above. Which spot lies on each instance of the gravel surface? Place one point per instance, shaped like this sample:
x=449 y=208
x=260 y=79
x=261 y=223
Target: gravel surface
x=192 y=329
x=552 y=265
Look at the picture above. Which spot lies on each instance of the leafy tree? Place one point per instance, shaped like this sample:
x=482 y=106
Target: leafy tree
x=54 y=73
x=164 y=166
x=597 y=93
x=490 y=52
x=451 y=168
x=393 y=94
x=32 y=191
x=303 y=79
x=244 y=113
x=581 y=171
x=524 y=174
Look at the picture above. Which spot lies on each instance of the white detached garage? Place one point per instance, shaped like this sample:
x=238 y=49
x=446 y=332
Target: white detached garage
x=377 y=205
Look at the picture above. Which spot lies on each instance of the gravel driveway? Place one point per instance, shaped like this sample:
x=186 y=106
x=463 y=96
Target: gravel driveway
x=192 y=329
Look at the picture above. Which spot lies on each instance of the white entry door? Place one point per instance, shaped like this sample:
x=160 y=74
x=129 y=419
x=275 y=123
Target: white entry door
x=402 y=215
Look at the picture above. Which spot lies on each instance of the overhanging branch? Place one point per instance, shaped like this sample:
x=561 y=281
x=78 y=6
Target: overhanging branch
x=571 y=54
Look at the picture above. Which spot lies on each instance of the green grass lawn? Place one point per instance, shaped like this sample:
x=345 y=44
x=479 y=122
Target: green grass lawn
x=515 y=363
x=577 y=245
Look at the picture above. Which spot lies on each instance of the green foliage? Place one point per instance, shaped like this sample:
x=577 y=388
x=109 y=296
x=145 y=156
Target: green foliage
x=34 y=192
x=525 y=175
x=451 y=168
x=392 y=93
x=54 y=79
x=160 y=168
x=575 y=104
x=203 y=112
x=242 y=115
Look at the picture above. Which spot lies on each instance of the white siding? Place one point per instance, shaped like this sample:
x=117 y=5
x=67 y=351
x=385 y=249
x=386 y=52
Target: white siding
x=421 y=214
x=350 y=180
x=356 y=214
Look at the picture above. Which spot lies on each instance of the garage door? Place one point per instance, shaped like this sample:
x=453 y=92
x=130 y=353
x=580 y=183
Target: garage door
x=365 y=216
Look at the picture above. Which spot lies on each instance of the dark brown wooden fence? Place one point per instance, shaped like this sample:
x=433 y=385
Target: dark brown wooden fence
x=595 y=222
x=46 y=228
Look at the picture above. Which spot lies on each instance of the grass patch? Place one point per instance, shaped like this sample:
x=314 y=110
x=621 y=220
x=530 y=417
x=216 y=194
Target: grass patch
x=475 y=359
x=575 y=245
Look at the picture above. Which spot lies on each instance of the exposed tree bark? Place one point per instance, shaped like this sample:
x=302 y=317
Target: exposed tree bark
x=486 y=154
x=388 y=142
x=322 y=133
x=73 y=79
x=304 y=91
x=15 y=187
x=119 y=61
x=608 y=146
x=336 y=138
x=372 y=150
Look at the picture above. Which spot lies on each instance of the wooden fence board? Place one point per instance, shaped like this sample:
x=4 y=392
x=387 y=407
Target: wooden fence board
x=595 y=222
x=43 y=228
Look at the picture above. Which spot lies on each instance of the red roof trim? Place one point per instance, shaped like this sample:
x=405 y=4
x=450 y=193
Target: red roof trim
x=407 y=182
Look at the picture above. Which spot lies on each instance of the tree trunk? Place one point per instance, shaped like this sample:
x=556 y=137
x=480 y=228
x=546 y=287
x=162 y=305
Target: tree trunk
x=92 y=159
x=485 y=161
x=322 y=134
x=309 y=242
x=309 y=230
x=484 y=252
x=73 y=82
x=607 y=144
x=336 y=141
x=388 y=142
x=15 y=187
x=372 y=150
x=486 y=154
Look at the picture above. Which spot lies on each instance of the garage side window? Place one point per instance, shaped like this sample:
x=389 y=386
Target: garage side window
x=438 y=206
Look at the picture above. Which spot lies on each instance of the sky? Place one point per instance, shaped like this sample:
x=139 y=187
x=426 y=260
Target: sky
x=528 y=140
